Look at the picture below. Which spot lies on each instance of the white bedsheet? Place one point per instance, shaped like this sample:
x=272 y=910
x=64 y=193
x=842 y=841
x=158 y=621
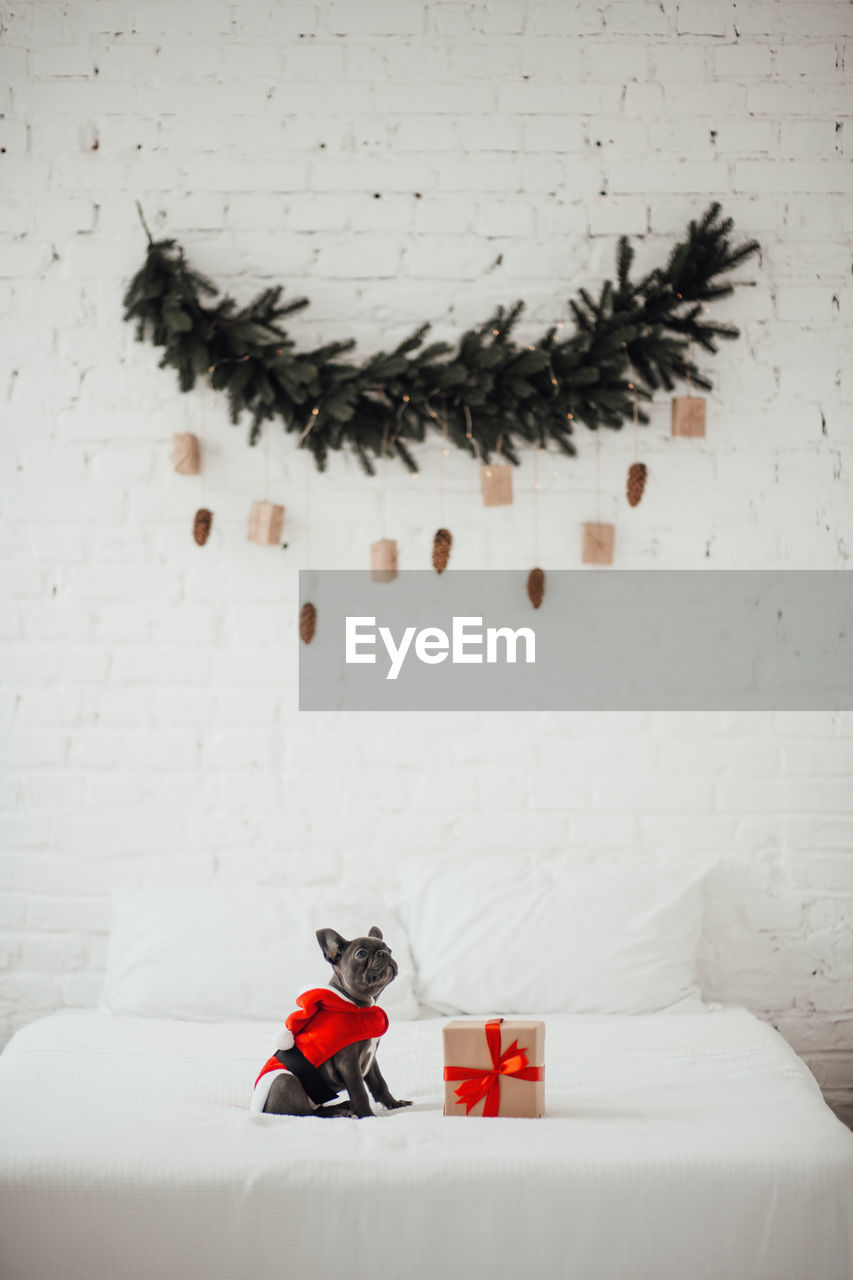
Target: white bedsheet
x=673 y=1148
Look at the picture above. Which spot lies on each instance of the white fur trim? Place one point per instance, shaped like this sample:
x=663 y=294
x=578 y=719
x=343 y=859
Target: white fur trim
x=262 y=1088
x=282 y=1040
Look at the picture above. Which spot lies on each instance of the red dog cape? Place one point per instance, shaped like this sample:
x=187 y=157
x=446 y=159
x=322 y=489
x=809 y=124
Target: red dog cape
x=325 y=1022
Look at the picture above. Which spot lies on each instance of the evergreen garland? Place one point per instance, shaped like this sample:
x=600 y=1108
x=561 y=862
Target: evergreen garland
x=487 y=388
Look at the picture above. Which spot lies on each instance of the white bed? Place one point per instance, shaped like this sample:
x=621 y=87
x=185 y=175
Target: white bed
x=673 y=1148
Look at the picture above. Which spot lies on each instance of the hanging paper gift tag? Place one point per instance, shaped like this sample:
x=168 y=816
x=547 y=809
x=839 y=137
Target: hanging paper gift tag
x=688 y=416
x=496 y=482
x=383 y=560
x=598 y=544
x=186 y=453
x=266 y=521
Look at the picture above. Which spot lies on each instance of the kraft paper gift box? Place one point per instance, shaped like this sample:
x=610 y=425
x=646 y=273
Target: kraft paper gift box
x=494 y=1067
x=266 y=521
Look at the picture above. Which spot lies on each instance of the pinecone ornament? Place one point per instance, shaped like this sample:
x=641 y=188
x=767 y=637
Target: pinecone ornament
x=637 y=473
x=536 y=586
x=441 y=544
x=201 y=525
x=307 y=622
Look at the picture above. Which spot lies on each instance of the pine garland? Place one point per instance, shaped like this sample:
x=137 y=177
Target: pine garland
x=485 y=388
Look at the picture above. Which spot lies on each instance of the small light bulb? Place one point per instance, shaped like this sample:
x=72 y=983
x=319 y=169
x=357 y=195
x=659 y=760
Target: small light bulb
x=315 y=412
x=496 y=332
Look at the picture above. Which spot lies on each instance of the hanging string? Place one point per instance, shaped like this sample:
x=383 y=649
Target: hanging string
x=444 y=453
x=211 y=406
x=308 y=464
x=636 y=424
x=598 y=475
x=689 y=340
x=382 y=482
x=442 y=421
x=536 y=507
x=404 y=404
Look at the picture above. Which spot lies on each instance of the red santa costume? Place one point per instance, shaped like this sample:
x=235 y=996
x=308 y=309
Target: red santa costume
x=325 y=1022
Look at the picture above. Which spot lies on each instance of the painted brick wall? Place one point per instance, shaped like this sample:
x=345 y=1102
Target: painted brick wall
x=397 y=162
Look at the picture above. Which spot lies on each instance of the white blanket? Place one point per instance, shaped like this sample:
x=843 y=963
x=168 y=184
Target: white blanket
x=673 y=1148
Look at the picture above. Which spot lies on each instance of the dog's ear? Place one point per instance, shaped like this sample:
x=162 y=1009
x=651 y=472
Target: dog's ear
x=331 y=944
x=375 y=932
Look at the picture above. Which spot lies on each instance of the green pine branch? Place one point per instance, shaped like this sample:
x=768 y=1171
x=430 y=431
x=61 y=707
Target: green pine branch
x=487 y=392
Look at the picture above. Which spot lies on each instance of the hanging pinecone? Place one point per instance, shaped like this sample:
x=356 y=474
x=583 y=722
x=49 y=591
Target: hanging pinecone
x=441 y=544
x=637 y=473
x=307 y=622
x=201 y=525
x=536 y=586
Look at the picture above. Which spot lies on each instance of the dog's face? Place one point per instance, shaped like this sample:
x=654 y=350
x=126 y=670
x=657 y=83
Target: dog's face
x=363 y=967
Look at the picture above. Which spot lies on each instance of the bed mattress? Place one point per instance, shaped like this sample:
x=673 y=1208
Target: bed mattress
x=673 y=1148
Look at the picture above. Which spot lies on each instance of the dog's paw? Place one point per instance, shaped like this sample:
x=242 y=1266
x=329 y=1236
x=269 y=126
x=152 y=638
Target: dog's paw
x=393 y=1103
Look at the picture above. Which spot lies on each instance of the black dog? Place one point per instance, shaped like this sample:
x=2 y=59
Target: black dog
x=343 y=1014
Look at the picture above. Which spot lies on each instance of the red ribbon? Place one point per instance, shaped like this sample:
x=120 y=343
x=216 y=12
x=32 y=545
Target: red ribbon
x=487 y=1084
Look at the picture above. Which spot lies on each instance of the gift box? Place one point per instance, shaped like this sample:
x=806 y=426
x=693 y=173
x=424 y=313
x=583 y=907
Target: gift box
x=494 y=1068
x=266 y=521
x=496 y=483
x=383 y=560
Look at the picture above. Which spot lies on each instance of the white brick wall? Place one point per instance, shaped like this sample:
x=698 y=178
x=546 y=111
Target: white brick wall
x=381 y=157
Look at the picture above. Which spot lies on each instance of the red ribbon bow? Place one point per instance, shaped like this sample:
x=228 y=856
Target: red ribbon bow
x=479 y=1084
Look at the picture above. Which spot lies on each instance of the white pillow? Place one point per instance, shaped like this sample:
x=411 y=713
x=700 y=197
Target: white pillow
x=517 y=934
x=206 y=954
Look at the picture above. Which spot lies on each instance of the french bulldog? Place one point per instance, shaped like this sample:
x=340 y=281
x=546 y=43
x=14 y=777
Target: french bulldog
x=361 y=969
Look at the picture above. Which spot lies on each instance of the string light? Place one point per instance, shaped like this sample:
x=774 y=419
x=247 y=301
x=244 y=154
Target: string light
x=230 y=360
